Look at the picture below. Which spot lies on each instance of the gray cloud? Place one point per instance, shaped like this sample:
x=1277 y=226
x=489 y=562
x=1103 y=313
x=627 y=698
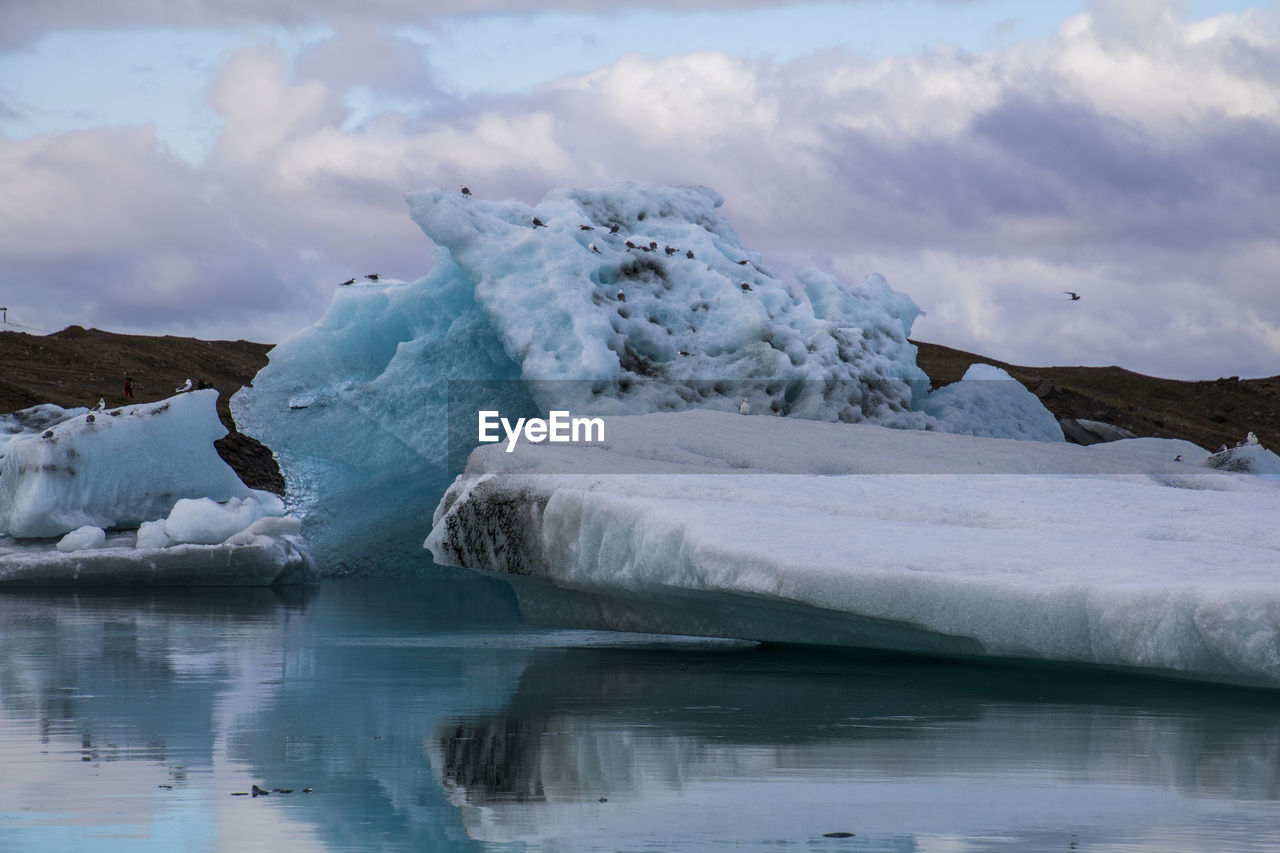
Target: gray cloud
x=22 y=23
x=981 y=184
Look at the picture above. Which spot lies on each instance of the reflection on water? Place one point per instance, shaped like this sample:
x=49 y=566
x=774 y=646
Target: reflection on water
x=426 y=716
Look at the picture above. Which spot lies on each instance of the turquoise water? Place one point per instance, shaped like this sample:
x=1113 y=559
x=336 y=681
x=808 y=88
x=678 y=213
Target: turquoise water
x=427 y=716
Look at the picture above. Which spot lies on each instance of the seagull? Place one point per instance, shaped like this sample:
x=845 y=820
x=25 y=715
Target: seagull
x=537 y=223
x=622 y=297
x=373 y=276
x=345 y=283
x=186 y=386
x=585 y=228
x=689 y=254
x=465 y=190
x=744 y=408
x=592 y=247
x=1071 y=293
x=745 y=287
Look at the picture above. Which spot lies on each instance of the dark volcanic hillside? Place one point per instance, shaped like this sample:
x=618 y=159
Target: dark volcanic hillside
x=79 y=367
x=1210 y=413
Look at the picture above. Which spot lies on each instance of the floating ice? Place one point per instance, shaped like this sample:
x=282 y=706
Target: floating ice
x=988 y=401
x=115 y=468
x=77 y=474
x=82 y=539
x=355 y=407
x=762 y=528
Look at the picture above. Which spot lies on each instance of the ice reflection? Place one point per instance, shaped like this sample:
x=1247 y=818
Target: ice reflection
x=427 y=717
x=600 y=747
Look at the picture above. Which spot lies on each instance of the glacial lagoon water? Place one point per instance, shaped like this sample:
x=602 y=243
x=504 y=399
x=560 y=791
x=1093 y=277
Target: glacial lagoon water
x=426 y=716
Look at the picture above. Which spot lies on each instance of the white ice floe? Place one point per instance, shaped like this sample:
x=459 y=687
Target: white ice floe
x=362 y=410
x=763 y=528
x=136 y=494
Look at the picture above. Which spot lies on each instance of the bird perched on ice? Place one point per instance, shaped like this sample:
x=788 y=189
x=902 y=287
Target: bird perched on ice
x=592 y=247
x=689 y=254
x=345 y=283
x=537 y=223
x=585 y=228
x=744 y=408
x=669 y=250
x=465 y=190
x=745 y=287
x=630 y=245
x=102 y=405
x=622 y=297
x=373 y=276
x=1072 y=295
x=613 y=229
x=89 y=418
x=186 y=386
x=743 y=263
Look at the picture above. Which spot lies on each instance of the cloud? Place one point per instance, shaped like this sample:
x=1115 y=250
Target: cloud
x=22 y=23
x=983 y=184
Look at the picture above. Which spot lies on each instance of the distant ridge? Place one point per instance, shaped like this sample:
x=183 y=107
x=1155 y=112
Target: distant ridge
x=78 y=366
x=1210 y=412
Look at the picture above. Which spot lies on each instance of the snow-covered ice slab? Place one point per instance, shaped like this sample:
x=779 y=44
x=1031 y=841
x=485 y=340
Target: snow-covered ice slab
x=114 y=467
x=136 y=495
x=705 y=523
x=260 y=561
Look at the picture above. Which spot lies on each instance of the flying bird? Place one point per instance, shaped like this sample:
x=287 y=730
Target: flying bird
x=1072 y=294
x=345 y=283
x=744 y=408
x=537 y=223
x=373 y=276
x=465 y=190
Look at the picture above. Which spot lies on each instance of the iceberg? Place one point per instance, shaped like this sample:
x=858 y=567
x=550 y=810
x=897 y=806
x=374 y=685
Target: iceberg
x=623 y=300
x=712 y=524
x=136 y=494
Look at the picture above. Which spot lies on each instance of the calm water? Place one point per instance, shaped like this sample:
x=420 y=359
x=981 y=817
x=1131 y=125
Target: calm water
x=426 y=716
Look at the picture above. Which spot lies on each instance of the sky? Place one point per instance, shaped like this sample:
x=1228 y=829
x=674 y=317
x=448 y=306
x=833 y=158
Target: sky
x=216 y=168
